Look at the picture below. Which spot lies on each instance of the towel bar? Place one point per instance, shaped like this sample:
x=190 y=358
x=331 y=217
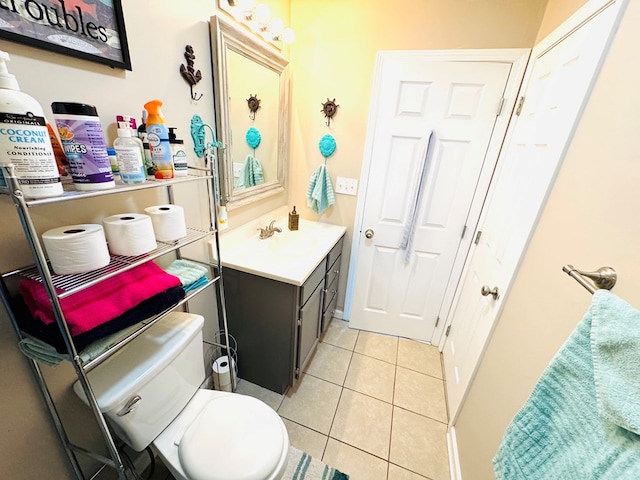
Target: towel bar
x=603 y=278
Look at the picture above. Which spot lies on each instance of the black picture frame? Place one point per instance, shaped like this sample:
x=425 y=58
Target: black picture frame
x=92 y=30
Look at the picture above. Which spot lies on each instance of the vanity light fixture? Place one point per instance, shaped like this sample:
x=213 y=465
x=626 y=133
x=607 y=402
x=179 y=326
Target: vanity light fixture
x=257 y=17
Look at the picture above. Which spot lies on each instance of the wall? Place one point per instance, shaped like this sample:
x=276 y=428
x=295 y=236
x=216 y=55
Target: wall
x=333 y=56
x=577 y=227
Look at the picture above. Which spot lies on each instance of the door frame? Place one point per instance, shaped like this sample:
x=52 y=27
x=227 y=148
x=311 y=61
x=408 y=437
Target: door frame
x=518 y=58
x=575 y=21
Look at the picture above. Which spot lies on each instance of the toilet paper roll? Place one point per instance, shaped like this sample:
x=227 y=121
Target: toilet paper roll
x=222 y=374
x=129 y=234
x=76 y=248
x=168 y=222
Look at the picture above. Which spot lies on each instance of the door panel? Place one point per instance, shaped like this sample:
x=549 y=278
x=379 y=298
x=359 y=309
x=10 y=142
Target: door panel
x=459 y=101
x=557 y=84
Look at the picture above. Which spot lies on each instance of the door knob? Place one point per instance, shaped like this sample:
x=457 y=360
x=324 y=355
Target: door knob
x=486 y=291
x=368 y=233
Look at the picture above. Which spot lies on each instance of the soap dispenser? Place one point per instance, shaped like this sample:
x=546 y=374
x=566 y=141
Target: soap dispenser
x=294 y=217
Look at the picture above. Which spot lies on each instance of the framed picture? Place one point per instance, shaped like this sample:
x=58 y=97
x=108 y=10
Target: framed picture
x=89 y=29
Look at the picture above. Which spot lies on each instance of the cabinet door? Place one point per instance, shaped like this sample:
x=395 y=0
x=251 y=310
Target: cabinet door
x=308 y=328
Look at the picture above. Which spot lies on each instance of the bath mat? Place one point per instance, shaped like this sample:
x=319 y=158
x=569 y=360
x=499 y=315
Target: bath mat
x=302 y=466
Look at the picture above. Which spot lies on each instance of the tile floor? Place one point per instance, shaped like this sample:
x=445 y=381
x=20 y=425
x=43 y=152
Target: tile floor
x=371 y=405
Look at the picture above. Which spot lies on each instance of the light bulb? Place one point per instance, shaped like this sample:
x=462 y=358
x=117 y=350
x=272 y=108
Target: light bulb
x=276 y=26
x=288 y=35
x=263 y=12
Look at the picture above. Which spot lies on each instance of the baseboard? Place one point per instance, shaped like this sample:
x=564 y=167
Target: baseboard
x=454 y=459
x=339 y=314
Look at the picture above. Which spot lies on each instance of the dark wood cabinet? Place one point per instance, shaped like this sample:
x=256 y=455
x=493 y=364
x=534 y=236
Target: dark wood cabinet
x=276 y=324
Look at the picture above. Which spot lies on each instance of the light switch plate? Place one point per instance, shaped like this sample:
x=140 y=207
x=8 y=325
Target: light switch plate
x=346 y=186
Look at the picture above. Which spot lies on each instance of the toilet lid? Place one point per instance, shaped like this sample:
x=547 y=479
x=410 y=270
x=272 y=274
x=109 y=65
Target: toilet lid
x=234 y=436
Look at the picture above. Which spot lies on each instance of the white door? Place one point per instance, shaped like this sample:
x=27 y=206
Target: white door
x=459 y=102
x=557 y=84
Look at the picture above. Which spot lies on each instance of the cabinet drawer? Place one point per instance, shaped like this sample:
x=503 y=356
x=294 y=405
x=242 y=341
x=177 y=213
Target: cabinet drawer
x=332 y=272
x=312 y=282
x=335 y=252
x=328 y=314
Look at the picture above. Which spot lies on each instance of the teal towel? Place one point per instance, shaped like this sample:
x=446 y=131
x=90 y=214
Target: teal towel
x=188 y=272
x=252 y=172
x=320 y=192
x=561 y=433
x=36 y=349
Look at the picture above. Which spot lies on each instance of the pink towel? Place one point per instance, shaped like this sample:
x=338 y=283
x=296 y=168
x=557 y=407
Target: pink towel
x=100 y=303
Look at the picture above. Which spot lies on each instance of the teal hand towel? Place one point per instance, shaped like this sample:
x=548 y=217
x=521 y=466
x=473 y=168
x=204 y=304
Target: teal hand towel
x=320 y=194
x=188 y=272
x=615 y=346
x=560 y=433
x=36 y=349
x=253 y=174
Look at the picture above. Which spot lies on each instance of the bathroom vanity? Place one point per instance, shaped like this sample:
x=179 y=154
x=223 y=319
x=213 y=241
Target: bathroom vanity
x=281 y=293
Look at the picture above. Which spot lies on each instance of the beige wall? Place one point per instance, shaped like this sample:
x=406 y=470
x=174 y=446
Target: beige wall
x=589 y=221
x=333 y=57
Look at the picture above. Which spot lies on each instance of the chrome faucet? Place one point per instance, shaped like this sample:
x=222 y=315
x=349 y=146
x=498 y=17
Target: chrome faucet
x=269 y=230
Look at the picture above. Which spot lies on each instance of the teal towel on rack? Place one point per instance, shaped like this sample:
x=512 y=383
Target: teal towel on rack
x=191 y=274
x=580 y=419
x=320 y=192
x=42 y=352
x=253 y=174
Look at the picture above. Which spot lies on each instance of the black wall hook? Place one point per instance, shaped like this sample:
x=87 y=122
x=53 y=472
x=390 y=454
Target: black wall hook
x=189 y=74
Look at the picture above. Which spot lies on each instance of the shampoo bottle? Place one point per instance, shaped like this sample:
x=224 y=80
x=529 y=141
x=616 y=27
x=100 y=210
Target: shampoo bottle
x=24 y=139
x=178 y=154
x=158 y=138
x=129 y=155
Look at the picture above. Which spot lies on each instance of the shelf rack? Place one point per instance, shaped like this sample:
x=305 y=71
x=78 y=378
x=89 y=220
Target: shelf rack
x=61 y=286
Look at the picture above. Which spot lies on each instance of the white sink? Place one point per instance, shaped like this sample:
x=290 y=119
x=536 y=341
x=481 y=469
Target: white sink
x=287 y=256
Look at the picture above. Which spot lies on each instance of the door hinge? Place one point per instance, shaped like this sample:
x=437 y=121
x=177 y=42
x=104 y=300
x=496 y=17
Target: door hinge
x=297 y=372
x=478 y=235
x=464 y=230
x=500 y=106
x=447 y=331
x=299 y=322
x=519 y=107
x=437 y=321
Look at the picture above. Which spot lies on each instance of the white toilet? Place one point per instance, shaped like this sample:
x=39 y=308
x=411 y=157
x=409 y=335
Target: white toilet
x=150 y=393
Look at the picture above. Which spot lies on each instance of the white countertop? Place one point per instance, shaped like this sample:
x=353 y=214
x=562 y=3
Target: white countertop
x=287 y=256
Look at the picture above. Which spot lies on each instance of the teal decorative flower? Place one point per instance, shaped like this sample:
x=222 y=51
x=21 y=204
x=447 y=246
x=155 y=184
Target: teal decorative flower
x=327 y=145
x=253 y=137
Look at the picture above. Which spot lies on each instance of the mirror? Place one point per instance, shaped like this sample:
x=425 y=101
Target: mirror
x=252 y=113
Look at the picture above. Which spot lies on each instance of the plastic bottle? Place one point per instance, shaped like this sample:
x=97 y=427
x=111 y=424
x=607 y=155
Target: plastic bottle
x=113 y=160
x=142 y=135
x=178 y=154
x=84 y=146
x=129 y=153
x=158 y=137
x=24 y=139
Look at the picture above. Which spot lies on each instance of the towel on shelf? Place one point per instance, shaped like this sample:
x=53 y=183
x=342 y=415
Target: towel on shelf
x=40 y=351
x=191 y=274
x=50 y=333
x=253 y=174
x=320 y=192
x=102 y=302
x=562 y=431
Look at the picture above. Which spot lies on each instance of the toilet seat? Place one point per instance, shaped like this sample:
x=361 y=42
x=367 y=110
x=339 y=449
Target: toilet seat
x=223 y=436
x=234 y=437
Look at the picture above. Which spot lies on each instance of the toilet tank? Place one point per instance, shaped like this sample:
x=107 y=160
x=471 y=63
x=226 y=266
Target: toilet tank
x=163 y=367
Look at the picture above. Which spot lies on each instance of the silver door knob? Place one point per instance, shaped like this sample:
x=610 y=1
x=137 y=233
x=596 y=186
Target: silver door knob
x=486 y=291
x=368 y=233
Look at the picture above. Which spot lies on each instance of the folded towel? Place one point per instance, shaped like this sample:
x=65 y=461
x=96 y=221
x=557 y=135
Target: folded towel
x=197 y=284
x=40 y=351
x=560 y=433
x=188 y=272
x=102 y=302
x=253 y=174
x=50 y=333
x=320 y=192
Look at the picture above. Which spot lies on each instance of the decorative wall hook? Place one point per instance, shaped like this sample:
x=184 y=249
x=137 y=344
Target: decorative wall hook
x=253 y=102
x=329 y=108
x=189 y=74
